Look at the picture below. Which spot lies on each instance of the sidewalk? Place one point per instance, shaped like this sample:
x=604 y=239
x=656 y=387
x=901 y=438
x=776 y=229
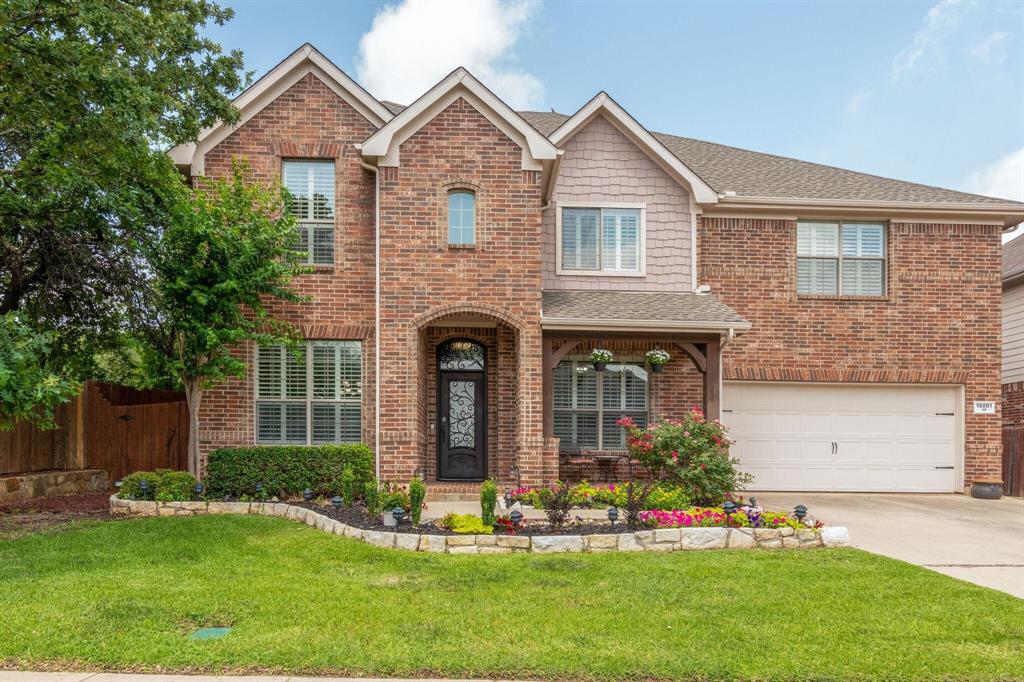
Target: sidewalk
x=22 y=676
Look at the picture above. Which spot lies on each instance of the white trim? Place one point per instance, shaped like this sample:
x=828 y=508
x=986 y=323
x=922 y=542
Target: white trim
x=1007 y=214
x=693 y=245
x=959 y=472
x=602 y=103
x=307 y=59
x=384 y=144
x=611 y=205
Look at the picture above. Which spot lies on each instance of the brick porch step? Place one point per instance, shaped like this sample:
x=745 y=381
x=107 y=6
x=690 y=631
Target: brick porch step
x=451 y=491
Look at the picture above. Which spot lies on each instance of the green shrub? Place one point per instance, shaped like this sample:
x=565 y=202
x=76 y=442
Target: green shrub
x=393 y=495
x=165 y=485
x=417 y=493
x=349 y=487
x=488 y=498
x=465 y=524
x=371 y=497
x=287 y=470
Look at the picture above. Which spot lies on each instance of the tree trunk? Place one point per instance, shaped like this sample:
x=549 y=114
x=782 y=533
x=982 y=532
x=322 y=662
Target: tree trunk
x=193 y=396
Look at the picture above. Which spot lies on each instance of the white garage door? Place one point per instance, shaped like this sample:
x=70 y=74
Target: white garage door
x=844 y=437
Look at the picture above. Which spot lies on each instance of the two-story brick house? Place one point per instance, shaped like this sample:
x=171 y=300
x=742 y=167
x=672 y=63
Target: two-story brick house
x=468 y=257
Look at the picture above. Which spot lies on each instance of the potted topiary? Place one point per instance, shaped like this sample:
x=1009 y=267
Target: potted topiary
x=657 y=359
x=601 y=357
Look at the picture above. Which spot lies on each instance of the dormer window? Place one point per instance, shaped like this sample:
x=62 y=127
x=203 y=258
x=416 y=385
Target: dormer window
x=461 y=218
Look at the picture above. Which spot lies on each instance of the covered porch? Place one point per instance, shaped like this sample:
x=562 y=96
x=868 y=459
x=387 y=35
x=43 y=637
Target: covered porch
x=582 y=405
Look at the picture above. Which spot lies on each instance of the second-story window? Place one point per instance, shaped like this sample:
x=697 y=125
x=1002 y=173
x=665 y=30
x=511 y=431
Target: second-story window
x=845 y=259
x=311 y=184
x=601 y=240
x=461 y=218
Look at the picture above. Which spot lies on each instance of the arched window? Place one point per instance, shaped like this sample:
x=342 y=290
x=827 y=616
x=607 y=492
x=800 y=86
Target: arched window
x=461 y=354
x=461 y=217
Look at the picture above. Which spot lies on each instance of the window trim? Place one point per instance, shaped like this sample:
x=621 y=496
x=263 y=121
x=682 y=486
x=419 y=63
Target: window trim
x=309 y=400
x=839 y=258
x=600 y=409
x=600 y=206
x=448 y=217
x=303 y=224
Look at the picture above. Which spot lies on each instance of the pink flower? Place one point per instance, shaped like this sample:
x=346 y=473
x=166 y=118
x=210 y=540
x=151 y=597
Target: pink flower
x=675 y=455
x=686 y=434
x=625 y=422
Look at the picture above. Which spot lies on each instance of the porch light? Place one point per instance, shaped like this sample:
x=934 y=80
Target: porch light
x=398 y=513
x=800 y=512
x=516 y=516
x=307 y=494
x=336 y=501
x=613 y=514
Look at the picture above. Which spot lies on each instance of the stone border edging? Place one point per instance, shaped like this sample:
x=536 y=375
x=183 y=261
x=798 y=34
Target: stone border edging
x=656 y=540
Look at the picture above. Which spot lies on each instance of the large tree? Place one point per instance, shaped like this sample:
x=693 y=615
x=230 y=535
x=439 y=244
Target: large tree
x=91 y=92
x=228 y=251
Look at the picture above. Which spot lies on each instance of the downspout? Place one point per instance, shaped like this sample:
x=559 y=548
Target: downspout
x=376 y=314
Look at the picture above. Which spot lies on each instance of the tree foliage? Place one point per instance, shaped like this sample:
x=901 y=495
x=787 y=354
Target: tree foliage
x=90 y=94
x=227 y=252
x=29 y=389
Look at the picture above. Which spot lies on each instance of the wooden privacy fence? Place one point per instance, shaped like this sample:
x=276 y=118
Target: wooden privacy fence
x=107 y=426
x=1013 y=461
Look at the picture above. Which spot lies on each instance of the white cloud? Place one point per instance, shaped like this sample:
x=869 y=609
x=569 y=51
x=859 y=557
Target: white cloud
x=1003 y=179
x=991 y=50
x=416 y=43
x=942 y=19
x=856 y=103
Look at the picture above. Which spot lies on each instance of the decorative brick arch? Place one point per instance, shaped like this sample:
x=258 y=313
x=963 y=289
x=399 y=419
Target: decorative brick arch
x=503 y=316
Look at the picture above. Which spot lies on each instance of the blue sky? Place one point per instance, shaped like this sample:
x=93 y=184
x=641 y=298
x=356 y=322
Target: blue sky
x=931 y=92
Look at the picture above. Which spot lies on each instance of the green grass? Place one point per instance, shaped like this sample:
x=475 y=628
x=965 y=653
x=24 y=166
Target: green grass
x=125 y=595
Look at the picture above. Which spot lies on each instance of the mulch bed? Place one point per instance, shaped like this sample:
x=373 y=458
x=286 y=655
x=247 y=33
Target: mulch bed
x=358 y=518
x=23 y=517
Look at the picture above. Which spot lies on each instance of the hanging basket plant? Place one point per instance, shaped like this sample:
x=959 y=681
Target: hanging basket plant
x=601 y=357
x=657 y=359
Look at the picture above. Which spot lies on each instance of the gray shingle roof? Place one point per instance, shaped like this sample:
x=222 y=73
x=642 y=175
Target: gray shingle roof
x=755 y=174
x=1013 y=257
x=641 y=306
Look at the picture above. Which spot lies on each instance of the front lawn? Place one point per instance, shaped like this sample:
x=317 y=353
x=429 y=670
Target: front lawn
x=125 y=595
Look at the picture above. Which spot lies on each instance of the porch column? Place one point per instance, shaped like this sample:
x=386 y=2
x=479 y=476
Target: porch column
x=548 y=387
x=713 y=380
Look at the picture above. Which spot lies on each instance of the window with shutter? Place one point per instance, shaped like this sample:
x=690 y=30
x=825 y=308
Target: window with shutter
x=589 y=403
x=845 y=259
x=311 y=185
x=601 y=240
x=309 y=396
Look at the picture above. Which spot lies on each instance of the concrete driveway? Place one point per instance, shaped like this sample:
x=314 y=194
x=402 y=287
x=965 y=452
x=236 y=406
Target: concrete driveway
x=980 y=541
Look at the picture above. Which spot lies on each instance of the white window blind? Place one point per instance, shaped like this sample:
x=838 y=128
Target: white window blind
x=311 y=396
x=601 y=239
x=311 y=185
x=589 y=403
x=846 y=258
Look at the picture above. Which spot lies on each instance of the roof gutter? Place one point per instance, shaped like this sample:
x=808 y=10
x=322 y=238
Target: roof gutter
x=594 y=324
x=1007 y=214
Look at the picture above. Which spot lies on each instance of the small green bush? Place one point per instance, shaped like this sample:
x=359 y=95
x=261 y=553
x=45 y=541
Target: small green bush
x=287 y=470
x=349 y=487
x=465 y=524
x=488 y=498
x=372 y=497
x=165 y=485
x=417 y=493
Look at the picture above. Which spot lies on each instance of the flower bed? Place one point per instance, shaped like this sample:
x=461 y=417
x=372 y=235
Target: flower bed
x=658 y=540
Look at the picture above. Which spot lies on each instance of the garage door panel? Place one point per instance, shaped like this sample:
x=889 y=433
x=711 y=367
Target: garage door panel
x=888 y=438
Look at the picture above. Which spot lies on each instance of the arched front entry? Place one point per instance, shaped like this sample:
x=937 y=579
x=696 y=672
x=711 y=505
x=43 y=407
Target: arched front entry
x=461 y=411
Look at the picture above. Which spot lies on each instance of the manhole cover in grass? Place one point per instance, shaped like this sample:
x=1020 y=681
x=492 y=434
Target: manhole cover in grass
x=210 y=633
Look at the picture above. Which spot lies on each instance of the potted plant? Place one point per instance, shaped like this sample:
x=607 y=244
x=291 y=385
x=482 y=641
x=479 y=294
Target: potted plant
x=601 y=357
x=657 y=359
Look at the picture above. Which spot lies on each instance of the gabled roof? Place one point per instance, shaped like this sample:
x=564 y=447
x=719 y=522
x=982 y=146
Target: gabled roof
x=307 y=59
x=384 y=144
x=603 y=105
x=1013 y=259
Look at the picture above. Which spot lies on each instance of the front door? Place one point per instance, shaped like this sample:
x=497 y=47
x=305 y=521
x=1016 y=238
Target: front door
x=462 y=412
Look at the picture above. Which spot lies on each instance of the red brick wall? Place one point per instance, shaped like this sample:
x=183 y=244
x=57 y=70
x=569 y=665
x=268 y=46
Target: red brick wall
x=423 y=280
x=1013 y=405
x=307 y=121
x=938 y=323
